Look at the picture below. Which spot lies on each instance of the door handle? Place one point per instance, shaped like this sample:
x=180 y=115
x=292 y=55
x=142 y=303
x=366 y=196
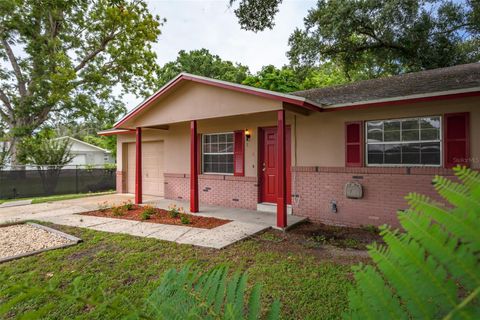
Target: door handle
x=264 y=167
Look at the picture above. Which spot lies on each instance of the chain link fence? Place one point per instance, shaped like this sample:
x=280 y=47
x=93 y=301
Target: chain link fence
x=32 y=181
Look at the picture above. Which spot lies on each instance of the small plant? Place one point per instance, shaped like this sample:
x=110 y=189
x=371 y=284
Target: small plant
x=118 y=211
x=103 y=206
x=174 y=211
x=371 y=228
x=128 y=205
x=109 y=166
x=184 y=219
x=351 y=243
x=148 y=212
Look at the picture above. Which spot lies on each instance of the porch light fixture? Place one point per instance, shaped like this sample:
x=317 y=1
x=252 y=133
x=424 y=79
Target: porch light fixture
x=247 y=134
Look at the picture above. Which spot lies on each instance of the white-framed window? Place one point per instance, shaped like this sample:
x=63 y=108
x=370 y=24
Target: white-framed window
x=404 y=142
x=217 y=153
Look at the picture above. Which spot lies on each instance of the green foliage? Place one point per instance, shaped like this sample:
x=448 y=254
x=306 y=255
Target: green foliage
x=183 y=294
x=430 y=271
x=202 y=63
x=256 y=15
x=174 y=211
x=63 y=58
x=128 y=205
x=184 y=219
x=118 y=211
x=271 y=78
x=148 y=211
x=308 y=287
x=388 y=37
x=110 y=166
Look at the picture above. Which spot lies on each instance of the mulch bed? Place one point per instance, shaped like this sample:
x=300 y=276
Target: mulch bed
x=161 y=216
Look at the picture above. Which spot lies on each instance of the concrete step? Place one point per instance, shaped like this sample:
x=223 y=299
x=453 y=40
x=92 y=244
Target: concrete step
x=271 y=207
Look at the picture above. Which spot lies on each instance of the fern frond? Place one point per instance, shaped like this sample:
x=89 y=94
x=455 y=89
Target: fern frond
x=406 y=289
x=443 y=246
x=254 y=303
x=456 y=194
x=463 y=225
x=377 y=298
x=470 y=178
x=408 y=255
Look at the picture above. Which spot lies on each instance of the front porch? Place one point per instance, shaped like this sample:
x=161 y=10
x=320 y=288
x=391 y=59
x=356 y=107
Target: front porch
x=267 y=219
x=211 y=143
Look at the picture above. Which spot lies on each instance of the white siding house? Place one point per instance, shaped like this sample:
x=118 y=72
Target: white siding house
x=88 y=154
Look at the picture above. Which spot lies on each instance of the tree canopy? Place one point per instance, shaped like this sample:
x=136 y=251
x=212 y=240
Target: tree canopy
x=202 y=63
x=272 y=78
x=65 y=58
x=392 y=36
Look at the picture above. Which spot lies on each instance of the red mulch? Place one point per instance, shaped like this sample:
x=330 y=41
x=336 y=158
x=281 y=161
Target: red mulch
x=161 y=216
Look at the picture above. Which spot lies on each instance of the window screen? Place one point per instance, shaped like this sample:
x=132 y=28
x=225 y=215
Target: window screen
x=217 y=153
x=414 y=141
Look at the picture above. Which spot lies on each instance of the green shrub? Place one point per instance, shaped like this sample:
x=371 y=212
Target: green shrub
x=184 y=219
x=174 y=211
x=431 y=270
x=147 y=213
x=118 y=211
x=128 y=205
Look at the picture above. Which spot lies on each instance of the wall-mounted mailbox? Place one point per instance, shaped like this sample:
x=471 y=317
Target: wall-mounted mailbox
x=353 y=190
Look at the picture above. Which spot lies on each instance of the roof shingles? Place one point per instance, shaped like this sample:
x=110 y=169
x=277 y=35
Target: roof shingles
x=424 y=82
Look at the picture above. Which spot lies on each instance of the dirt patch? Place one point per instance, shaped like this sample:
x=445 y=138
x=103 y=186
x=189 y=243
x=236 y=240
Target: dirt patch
x=157 y=215
x=326 y=243
x=317 y=234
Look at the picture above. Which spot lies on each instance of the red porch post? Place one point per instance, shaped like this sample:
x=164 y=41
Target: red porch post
x=281 y=173
x=193 y=167
x=138 y=166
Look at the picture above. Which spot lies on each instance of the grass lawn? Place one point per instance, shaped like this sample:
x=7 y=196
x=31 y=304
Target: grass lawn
x=309 y=285
x=59 y=197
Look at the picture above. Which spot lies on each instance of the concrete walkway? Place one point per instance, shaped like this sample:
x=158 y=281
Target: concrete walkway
x=245 y=222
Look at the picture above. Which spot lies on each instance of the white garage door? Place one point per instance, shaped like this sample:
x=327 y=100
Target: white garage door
x=152 y=168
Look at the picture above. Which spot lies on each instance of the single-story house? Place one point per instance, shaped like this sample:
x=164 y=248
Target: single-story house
x=86 y=154
x=344 y=155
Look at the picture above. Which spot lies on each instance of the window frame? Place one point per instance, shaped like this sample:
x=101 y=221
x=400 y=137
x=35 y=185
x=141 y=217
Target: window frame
x=203 y=153
x=440 y=140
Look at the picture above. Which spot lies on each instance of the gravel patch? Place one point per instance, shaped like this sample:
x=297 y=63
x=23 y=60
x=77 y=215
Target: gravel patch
x=24 y=238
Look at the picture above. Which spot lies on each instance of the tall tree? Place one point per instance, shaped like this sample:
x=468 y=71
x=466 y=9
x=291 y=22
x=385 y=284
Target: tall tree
x=203 y=63
x=390 y=36
x=66 y=56
x=272 y=78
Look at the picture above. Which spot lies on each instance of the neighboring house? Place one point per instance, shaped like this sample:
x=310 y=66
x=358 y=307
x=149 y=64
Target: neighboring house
x=231 y=145
x=88 y=154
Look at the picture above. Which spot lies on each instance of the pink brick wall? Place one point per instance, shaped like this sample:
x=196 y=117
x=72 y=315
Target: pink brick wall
x=384 y=190
x=219 y=190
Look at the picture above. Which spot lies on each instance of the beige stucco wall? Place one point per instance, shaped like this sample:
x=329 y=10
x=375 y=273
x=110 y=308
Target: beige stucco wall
x=196 y=101
x=320 y=136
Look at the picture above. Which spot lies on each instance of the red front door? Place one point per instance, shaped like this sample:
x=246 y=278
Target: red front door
x=268 y=164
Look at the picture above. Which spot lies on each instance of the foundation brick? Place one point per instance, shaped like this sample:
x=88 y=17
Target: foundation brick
x=384 y=191
x=218 y=190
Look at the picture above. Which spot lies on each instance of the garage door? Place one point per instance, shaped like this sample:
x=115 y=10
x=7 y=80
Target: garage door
x=152 y=168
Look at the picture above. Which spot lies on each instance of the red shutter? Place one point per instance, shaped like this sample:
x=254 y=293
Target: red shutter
x=353 y=144
x=456 y=139
x=199 y=153
x=239 y=153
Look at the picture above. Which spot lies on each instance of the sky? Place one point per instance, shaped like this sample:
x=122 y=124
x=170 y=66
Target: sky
x=196 y=24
